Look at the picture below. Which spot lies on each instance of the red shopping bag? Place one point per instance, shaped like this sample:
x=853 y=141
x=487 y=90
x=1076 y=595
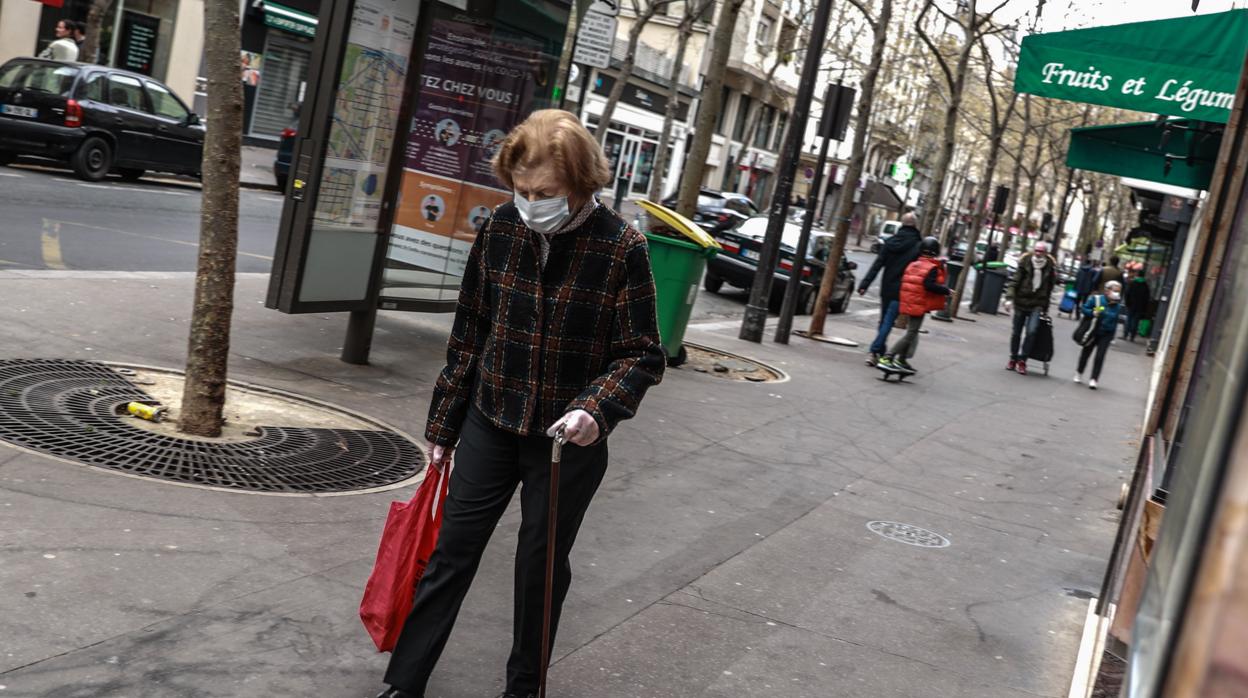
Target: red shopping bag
x=407 y=542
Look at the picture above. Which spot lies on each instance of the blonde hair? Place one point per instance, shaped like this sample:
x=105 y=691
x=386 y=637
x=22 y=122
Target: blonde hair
x=557 y=137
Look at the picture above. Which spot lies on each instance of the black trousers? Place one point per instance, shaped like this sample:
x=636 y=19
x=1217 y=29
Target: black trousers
x=489 y=464
x=1101 y=346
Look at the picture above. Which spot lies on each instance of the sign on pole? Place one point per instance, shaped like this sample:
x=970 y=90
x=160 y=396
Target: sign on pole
x=595 y=38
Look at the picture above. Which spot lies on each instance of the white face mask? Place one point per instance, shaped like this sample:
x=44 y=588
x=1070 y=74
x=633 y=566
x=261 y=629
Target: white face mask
x=543 y=215
x=1114 y=296
x=1039 y=262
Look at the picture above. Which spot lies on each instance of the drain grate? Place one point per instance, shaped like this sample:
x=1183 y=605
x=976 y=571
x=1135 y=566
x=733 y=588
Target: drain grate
x=908 y=534
x=68 y=409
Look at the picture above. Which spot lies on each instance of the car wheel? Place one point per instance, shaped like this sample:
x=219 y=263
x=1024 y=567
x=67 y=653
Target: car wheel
x=712 y=283
x=130 y=174
x=93 y=159
x=281 y=183
x=843 y=305
x=7 y=158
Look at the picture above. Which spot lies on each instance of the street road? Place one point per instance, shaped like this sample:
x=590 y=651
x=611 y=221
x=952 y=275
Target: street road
x=50 y=220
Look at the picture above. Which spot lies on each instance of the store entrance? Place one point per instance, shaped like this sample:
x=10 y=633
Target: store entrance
x=631 y=157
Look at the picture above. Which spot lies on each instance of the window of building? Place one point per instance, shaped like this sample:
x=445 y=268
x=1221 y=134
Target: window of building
x=788 y=37
x=723 y=113
x=762 y=136
x=766 y=24
x=778 y=137
x=743 y=116
x=164 y=103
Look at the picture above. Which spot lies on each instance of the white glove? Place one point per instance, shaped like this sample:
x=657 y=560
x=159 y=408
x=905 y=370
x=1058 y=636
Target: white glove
x=440 y=456
x=579 y=427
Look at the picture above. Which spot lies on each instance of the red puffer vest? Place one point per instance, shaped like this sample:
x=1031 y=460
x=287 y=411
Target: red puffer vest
x=915 y=300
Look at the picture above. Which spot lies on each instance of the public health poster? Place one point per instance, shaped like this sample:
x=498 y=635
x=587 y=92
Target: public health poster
x=477 y=84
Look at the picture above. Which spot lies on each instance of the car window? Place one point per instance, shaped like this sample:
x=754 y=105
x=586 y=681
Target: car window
x=39 y=77
x=126 y=92
x=164 y=103
x=94 y=87
x=740 y=206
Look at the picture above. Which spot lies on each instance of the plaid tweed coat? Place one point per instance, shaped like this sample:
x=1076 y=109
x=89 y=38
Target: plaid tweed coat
x=529 y=345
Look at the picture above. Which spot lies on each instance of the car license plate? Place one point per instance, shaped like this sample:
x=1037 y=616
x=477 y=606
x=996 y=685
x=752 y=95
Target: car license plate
x=28 y=112
x=750 y=254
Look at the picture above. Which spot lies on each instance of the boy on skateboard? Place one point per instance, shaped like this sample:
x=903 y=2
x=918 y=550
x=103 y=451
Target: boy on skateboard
x=923 y=289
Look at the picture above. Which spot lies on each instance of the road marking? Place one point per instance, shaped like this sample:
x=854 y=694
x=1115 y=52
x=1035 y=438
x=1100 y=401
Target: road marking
x=49 y=275
x=51 y=241
x=10 y=174
x=154 y=237
x=8 y=263
x=115 y=187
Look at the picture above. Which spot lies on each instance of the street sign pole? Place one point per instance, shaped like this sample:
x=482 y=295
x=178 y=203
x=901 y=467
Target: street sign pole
x=755 y=320
x=792 y=290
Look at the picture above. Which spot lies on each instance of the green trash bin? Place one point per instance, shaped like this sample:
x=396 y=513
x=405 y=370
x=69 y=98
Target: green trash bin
x=678 y=266
x=678 y=253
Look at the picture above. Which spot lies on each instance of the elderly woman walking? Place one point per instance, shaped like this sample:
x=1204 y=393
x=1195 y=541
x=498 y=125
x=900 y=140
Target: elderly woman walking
x=555 y=328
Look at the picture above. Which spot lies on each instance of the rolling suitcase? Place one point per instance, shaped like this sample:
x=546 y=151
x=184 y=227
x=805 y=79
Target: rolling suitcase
x=1042 y=342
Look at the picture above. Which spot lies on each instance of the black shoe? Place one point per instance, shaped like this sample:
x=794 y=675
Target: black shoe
x=510 y=694
x=395 y=693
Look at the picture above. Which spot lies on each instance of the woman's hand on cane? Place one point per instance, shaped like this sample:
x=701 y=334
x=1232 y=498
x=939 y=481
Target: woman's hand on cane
x=579 y=427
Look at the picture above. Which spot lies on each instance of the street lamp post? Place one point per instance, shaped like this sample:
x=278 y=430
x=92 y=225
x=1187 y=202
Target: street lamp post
x=755 y=319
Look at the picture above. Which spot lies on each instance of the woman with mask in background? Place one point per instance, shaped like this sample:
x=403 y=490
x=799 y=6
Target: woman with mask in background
x=1104 y=311
x=555 y=330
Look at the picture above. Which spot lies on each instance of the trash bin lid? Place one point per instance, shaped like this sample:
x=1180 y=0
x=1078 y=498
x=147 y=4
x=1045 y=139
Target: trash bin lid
x=680 y=224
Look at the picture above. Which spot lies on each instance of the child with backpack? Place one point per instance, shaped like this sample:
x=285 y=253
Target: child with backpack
x=923 y=290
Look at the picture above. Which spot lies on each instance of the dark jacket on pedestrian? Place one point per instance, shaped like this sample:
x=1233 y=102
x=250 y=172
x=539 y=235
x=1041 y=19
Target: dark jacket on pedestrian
x=1109 y=273
x=896 y=254
x=1029 y=296
x=1138 y=297
x=1110 y=311
x=1085 y=280
x=531 y=344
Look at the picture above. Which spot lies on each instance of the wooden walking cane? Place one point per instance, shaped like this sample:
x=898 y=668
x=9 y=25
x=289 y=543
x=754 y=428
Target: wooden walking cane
x=552 y=515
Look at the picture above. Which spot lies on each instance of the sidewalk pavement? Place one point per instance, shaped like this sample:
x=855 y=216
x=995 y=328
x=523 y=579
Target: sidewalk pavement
x=726 y=554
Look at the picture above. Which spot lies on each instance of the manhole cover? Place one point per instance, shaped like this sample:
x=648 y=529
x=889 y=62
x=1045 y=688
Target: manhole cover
x=908 y=534
x=68 y=409
x=721 y=364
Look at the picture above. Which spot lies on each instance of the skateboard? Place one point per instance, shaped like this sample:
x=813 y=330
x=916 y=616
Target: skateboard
x=888 y=372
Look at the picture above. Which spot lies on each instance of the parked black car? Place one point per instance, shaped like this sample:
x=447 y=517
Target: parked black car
x=96 y=118
x=737 y=262
x=719 y=210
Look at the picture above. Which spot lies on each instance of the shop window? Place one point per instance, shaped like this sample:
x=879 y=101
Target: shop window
x=762 y=134
x=164 y=103
x=125 y=92
x=723 y=113
x=778 y=137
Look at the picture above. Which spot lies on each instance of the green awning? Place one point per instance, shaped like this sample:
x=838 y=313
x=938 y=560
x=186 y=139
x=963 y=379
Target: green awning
x=289 y=19
x=1186 y=67
x=1180 y=152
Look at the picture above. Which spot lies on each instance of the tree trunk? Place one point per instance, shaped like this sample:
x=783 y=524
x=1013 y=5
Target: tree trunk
x=95 y=20
x=708 y=112
x=845 y=204
x=626 y=69
x=203 y=397
x=1033 y=182
x=657 y=177
x=932 y=213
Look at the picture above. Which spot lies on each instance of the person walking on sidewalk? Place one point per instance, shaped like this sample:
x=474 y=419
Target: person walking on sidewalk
x=1113 y=272
x=63 y=48
x=1104 y=311
x=1087 y=280
x=923 y=289
x=896 y=254
x=1032 y=292
x=1138 y=298
x=555 y=328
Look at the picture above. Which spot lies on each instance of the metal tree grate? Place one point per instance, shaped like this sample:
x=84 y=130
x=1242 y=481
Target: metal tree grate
x=69 y=409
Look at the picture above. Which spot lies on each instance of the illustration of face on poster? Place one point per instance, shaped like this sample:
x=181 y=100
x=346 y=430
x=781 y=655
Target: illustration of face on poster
x=447 y=133
x=491 y=142
x=477 y=217
x=433 y=207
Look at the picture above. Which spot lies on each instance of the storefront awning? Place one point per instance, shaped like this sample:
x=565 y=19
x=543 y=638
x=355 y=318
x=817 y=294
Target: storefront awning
x=289 y=19
x=1186 y=67
x=1179 y=152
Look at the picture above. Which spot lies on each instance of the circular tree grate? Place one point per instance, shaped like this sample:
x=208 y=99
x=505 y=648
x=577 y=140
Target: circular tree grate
x=69 y=409
x=908 y=534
